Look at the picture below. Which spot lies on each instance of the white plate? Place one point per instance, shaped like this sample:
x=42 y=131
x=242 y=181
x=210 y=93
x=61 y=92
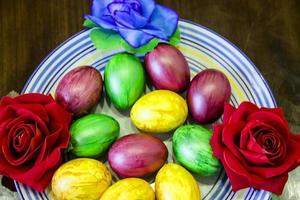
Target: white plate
x=203 y=49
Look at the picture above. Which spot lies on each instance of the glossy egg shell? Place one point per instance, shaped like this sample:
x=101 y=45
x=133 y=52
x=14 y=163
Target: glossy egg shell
x=167 y=68
x=124 y=80
x=192 y=149
x=175 y=182
x=137 y=155
x=81 y=178
x=129 y=189
x=92 y=135
x=160 y=111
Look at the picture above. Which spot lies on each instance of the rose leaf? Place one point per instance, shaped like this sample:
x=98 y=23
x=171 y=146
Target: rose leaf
x=89 y=24
x=175 y=38
x=143 y=49
x=105 y=39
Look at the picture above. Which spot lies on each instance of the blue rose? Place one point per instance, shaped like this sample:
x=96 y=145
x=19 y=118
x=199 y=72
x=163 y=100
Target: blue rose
x=137 y=21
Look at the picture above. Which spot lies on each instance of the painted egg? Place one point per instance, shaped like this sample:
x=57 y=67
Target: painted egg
x=191 y=147
x=92 y=135
x=167 y=68
x=129 y=188
x=137 y=155
x=160 y=111
x=82 y=178
x=124 y=80
x=79 y=90
x=175 y=182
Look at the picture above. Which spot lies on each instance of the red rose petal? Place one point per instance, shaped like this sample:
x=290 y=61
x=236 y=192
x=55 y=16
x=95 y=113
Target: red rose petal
x=21 y=138
x=228 y=111
x=277 y=111
x=274 y=185
x=243 y=111
x=40 y=175
x=231 y=136
x=216 y=140
x=291 y=161
x=253 y=146
x=254 y=158
x=34 y=98
x=6 y=114
x=5 y=101
x=237 y=182
x=272 y=120
x=58 y=114
x=34 y=109
x=234 y=163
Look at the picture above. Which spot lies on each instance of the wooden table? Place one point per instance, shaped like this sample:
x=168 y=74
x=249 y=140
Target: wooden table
x=267 y=31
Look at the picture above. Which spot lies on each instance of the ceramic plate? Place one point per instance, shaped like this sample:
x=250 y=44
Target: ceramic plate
x=203 y=49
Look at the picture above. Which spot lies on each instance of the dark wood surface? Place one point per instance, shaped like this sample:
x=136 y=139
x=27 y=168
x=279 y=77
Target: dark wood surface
x=267 y=31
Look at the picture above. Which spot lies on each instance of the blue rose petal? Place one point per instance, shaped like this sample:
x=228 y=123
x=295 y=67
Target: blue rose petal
x=99 y=8
x=163 y=22
x=105 y=22
x=133 y=20
x=135 y=38
x=148 y=7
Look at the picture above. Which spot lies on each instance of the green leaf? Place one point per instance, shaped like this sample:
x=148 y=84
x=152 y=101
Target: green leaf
x=175 y=38
x=105 y=39
x=89 y=24
x=143 y=49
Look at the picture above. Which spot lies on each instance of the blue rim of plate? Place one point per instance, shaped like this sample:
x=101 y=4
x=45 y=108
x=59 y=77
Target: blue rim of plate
x=202 y=39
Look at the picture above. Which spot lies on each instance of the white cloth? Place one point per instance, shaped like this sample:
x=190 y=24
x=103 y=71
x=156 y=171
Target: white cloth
x=6 y=194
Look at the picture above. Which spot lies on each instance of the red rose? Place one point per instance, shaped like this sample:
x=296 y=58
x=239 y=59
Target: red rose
x=256 y=147
x=33 y=131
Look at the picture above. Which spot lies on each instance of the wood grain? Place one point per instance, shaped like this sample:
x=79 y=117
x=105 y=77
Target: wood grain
x=267 y=31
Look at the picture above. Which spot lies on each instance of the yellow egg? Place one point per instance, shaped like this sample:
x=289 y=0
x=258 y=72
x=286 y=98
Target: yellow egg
x=159 y=111
x=175 y=182
x=82 y=178
x=129 y=189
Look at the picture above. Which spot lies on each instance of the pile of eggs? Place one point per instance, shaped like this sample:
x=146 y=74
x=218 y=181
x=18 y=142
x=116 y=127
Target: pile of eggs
x=137 y=156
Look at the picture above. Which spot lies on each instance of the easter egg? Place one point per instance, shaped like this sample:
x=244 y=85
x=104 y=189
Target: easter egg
x=206 y=95
x=129 y=188
x=175 y=182
x=124 y=80
x=167 y=68
x=159 y=111
x=191 y=147
x=82 y=178
x=92 y=135
x=137 y=155
x=79 y=90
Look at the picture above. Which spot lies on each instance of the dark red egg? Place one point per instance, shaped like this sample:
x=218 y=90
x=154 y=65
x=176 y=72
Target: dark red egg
x=79 y=90
x=137 y=155
x=206 y=95
x=167 y=68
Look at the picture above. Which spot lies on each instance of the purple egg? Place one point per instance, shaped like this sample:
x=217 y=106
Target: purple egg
x=79 y=90
x=137 y=155
x=167 y=68
x=206 y=95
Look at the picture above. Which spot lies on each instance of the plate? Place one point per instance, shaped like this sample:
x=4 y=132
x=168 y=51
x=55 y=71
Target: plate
x=203 y=49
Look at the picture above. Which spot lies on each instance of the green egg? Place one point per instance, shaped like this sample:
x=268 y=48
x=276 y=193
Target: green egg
x=92 y=135
x=124 y=80
x=191 y=147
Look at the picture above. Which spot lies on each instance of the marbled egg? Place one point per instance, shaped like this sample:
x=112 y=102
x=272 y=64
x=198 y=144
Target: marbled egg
x=82 y=178
x=191 y=147
x=137 y=155
x=160 y=111
x=129 y=189
x=175 y=182
x=124 y=80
